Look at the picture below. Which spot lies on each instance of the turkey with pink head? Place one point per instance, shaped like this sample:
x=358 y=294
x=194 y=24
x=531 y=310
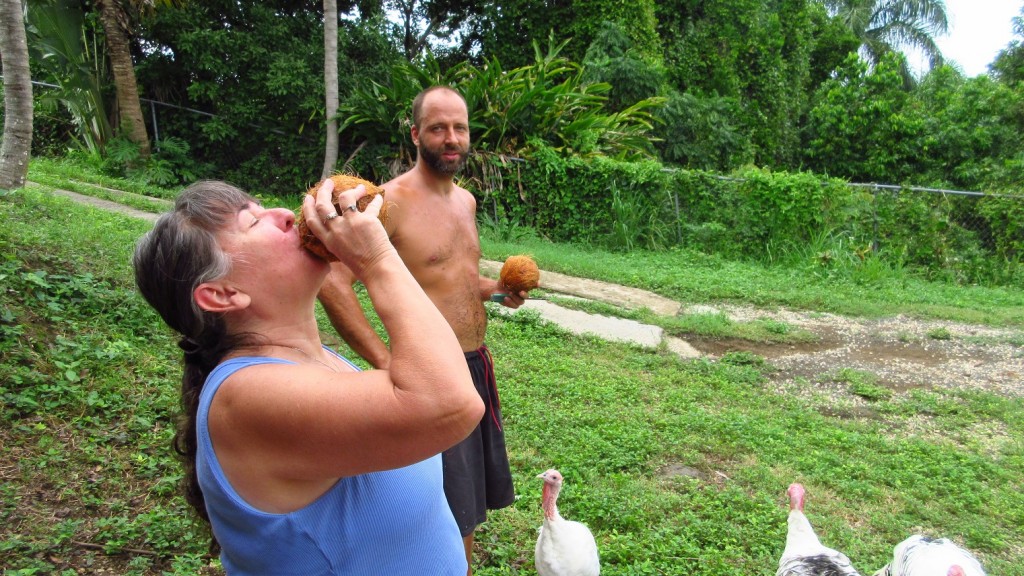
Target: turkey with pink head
x=564 y=547
x=923 y=556
x=804 y=554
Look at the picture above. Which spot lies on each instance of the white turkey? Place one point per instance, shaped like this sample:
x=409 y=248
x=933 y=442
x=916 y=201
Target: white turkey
x=923 y=556
x=804 y=554
x=564 y=547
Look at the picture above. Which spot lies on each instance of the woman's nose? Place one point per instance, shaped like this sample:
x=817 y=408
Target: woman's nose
x=285 y=217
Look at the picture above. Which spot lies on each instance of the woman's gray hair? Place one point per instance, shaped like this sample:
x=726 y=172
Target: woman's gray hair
x=171 y=261
x=181 y=252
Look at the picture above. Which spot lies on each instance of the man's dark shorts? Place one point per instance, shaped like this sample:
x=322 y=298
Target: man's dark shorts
x=476 y=471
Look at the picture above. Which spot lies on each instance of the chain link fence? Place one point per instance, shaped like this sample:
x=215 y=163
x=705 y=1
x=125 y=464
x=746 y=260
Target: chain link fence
x=957 y=235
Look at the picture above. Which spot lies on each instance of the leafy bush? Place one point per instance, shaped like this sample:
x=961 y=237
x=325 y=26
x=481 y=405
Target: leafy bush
x=575 y=198
x=757 y=209
x=636 y=223
x=868 y=235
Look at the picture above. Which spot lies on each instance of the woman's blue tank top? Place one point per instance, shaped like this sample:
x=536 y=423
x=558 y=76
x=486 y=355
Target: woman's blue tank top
x=393 y=522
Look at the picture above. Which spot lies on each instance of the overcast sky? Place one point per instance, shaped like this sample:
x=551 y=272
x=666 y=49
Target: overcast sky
x=978 y=30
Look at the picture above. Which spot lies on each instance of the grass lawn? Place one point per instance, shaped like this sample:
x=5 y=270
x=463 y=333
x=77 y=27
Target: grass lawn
x=678 y=467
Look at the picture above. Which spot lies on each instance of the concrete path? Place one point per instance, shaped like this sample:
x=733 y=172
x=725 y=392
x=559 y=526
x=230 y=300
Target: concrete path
x=607 y=327
x=108 y=205
x=575 y=321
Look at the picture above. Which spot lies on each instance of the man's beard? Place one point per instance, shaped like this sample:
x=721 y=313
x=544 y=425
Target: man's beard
x=434 y=160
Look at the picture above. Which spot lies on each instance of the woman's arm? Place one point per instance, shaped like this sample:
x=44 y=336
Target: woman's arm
x=341 y=304
x=306 y=423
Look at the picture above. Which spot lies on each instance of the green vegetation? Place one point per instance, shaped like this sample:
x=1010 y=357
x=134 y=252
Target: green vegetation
x=700 y=150
x=863 y=384
x=731 y=83
x=679 y=467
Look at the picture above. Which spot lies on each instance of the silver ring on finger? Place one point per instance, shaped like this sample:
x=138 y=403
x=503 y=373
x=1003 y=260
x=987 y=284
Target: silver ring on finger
x=330 y=217
x=351 y=207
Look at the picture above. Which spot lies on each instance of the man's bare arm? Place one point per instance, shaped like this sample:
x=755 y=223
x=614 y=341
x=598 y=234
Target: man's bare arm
x=339 y=300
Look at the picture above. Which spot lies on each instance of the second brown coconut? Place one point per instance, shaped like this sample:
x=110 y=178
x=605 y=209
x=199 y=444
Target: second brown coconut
x=519 y=274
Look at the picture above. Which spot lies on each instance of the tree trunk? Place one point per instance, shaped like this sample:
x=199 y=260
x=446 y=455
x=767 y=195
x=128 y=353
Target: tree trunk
x=331 y=84
x=128 y=106
x=17 y=138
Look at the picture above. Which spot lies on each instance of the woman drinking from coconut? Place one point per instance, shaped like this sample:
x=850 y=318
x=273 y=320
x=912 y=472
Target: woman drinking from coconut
x=301 y=463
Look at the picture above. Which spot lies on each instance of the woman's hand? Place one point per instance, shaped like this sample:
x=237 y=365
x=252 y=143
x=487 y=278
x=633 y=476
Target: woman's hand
x=357 y=238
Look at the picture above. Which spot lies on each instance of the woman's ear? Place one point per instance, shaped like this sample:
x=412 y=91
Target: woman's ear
x=220 y=297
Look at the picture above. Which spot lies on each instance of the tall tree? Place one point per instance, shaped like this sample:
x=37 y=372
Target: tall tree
x=331 y=85
x=613 y=57
x=885 y=26
x=423 y=20
x=17 y=144
x=747 y=57
x=1008 y=66
x=258 y=66
x=860 y=127
x=503 y=28
x=129 y=108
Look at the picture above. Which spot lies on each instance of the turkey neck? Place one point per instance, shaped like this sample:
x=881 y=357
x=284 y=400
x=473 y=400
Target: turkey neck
x=796 y=498
x=549 y=497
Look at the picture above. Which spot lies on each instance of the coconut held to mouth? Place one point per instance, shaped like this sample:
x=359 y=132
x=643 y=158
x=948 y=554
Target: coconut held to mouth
x=342 y=182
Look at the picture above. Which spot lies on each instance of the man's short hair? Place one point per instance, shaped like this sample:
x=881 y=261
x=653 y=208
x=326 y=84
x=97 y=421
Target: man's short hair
x=417 y=102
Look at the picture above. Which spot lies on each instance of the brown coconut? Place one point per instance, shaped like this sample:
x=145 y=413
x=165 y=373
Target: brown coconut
x=342 y=182
x=520 y=274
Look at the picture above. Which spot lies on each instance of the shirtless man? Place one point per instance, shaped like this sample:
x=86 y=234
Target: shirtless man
x=432 y=224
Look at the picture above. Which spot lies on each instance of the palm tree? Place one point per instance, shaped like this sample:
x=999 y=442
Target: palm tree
x=17 y=144
x=115 y=16
x=331 y=85
x=885 y=26
x=1008 y=66
x=114 y=20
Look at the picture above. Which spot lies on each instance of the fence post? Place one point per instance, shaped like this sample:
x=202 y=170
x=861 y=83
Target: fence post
x=874 y=219
x=156 y=128
x=679 y=226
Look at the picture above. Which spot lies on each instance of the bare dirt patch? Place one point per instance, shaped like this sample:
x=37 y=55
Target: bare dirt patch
x=901 y=352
